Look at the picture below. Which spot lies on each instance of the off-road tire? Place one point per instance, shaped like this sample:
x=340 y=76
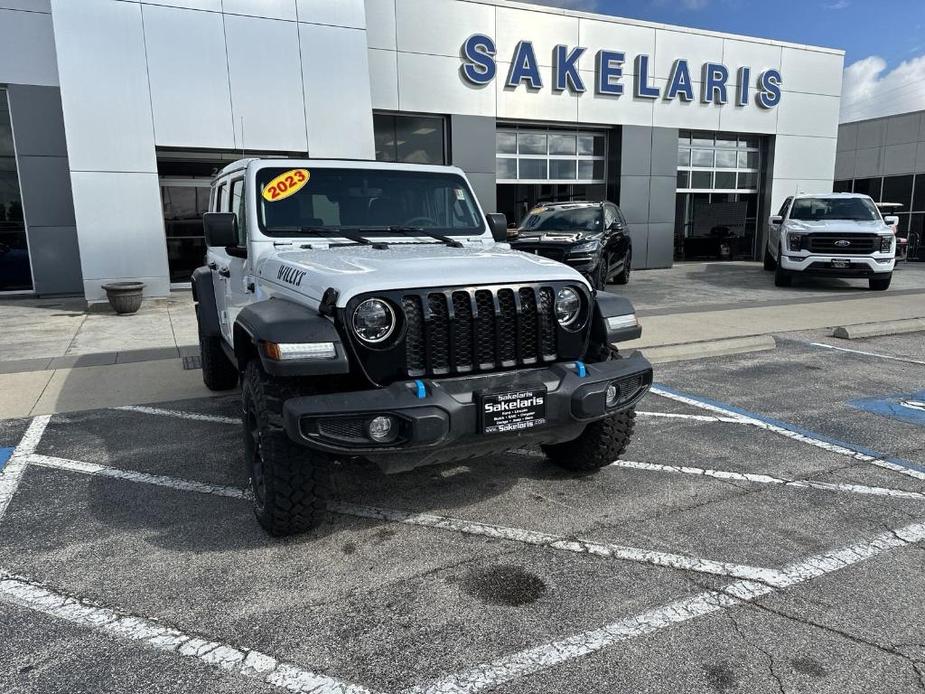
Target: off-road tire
x=601 y=443
x=769 y=263
x=218 y=373
x=624 y=276
x=782 y=278
x=290 y=483
x=880 y=284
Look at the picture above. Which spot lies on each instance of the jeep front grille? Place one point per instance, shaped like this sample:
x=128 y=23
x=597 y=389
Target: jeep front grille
x=466 y=330
x=843 y=244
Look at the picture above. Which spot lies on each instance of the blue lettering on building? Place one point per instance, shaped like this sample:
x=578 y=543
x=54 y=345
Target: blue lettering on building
x=479 y=67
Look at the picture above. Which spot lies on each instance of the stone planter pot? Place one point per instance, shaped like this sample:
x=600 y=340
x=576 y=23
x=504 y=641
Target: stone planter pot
x=124 y=297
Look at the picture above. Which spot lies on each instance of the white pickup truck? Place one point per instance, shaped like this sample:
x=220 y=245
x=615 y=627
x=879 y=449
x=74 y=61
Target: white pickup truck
x=832 y=235
x=372 y=311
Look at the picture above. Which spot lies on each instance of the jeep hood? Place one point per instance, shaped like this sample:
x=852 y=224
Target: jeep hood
x=353 y=270
x=839 y=226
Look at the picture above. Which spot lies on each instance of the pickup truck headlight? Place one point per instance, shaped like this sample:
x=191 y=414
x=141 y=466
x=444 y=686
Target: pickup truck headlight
x=373 y=320
x=886 y=244
x=568 y=306
x=586 y=247
x=795 y=242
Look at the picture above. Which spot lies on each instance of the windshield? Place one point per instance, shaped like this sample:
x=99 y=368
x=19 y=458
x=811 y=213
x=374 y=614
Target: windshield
x=320 y=200
x=587 y=219
x=817 y=209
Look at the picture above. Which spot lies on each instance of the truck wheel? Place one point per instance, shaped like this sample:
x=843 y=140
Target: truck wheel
x=602 y=272
x=218 y=373
x=769 y=262
x=782 y=278
x=601 y=443
x=880 y=284
x=290 y=483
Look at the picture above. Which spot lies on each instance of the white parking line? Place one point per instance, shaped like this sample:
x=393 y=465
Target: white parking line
x=767 y=479
x=533 y=660
x=134 y=476
x=193 y=416
x=530 y=537
x=867 y=354
x=16 y=465
x=694 y=417
x=791 y=434
x=579 y=546
x=239 y=661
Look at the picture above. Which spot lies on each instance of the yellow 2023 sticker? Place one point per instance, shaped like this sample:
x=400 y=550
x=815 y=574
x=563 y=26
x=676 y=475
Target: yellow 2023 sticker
x=286 y=184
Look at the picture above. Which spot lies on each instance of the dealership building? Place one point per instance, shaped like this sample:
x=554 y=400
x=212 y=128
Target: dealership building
x=114 y=115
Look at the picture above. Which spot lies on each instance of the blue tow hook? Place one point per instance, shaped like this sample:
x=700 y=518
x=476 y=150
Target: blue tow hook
x=421 y=390
x=581 y=369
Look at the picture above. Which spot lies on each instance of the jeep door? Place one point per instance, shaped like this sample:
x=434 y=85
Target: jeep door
x=774 y=228
x=217 y=260
x=228 y=264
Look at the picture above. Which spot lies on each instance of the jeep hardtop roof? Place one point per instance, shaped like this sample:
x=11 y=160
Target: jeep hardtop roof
x=292 y=162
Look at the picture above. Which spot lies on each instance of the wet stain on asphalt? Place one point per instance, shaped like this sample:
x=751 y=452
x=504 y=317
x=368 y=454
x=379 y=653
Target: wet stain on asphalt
x=504 y=585
x=808 y=666
x=720 y=676
x=348 y=548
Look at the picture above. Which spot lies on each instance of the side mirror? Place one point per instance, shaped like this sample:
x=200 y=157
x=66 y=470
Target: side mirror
x=616 y=226
x=776 y=219
x=891 y=220
x=221 y=229
x=497 y=222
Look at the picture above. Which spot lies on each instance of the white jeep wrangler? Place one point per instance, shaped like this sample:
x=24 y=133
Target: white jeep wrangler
x=372 y=311
x=834 y=235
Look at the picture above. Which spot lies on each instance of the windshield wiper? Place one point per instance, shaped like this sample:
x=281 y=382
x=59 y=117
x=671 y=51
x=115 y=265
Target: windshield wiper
x=452 y=243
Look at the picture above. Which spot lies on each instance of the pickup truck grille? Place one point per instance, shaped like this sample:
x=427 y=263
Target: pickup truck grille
x=834 y=244
x=478 y=329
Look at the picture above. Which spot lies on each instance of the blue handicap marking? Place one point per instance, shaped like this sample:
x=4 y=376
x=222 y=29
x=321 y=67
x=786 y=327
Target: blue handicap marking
x=5 y=455
x=908 y=407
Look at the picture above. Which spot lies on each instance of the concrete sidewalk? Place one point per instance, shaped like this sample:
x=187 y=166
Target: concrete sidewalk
x=57 y=357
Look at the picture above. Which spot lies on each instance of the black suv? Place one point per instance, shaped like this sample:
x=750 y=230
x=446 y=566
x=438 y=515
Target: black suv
x=591 y=237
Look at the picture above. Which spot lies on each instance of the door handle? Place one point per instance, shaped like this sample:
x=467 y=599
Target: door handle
x=212 y=265
x=224 y=272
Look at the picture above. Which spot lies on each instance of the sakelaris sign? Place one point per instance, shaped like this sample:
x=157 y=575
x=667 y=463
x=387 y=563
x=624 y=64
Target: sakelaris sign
x=479 y=68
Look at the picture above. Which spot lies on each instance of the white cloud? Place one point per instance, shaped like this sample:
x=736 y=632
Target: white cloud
x=869 y=90
x=838 y=5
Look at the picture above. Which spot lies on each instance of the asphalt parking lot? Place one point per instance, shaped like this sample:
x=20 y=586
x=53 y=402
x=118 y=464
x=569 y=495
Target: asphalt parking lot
x=761 y=534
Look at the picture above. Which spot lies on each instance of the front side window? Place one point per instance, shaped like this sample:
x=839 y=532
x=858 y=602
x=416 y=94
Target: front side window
x=367 y=200
x=851 y=209
x=587 y=219
x=783 y=208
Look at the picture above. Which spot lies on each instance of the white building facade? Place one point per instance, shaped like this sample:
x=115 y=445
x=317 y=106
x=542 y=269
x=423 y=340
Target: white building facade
x=115 y=113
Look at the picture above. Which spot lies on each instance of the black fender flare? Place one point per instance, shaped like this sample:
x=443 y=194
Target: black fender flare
x=282 y=321
x=607 y=305
x=204 y=300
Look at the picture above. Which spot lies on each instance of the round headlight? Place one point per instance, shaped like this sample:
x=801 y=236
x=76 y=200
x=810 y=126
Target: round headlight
x=568 y=306
x=373 y=320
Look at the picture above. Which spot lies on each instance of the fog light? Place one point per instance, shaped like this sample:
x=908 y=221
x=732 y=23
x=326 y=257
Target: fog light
x=382 y=429
x=613 y=392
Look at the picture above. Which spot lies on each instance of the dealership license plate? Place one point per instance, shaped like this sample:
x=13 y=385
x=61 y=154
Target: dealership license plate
x=515 y=410
x=841 y=264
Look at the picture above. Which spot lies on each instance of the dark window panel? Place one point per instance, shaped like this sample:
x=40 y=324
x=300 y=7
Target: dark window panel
x=842 y=186
x=898 y=189
x=868 y=186
x=918 y=198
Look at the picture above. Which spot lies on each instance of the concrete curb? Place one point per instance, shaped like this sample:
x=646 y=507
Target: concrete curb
x=710 y=348
x=892 y=327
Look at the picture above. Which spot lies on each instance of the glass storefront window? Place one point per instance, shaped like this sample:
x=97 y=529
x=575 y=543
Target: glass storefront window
x=898 y=189
x=702 y=157
x=725 y=180
x=532 y=169
x=15 y=272
x=505 y=142
x=184 y=202
x=562 y=144
x=549 y=155
x=684 y=179
x=506 y=168
x=748 y=181
x=531 y=143
x=409 y=139
x=701 y=179
x=562 y=168
x=702 y=139
x=869 y=186
x=725 y=159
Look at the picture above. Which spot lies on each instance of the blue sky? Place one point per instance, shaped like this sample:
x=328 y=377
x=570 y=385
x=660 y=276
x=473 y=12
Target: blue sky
x=884 y=40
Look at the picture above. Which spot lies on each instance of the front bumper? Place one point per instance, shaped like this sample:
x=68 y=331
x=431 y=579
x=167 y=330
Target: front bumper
x=859 y=265
x=444 y=424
